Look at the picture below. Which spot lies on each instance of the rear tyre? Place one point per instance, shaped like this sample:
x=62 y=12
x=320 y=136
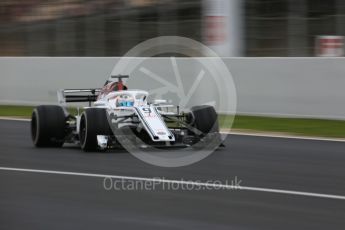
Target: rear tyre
x=48 y=126
x=93 y=122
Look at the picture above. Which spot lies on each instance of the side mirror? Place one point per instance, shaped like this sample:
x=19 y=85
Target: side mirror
x=159 y=101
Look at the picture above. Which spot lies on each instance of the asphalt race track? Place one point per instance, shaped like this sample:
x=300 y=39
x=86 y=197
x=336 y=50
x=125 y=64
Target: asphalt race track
x=39 y=200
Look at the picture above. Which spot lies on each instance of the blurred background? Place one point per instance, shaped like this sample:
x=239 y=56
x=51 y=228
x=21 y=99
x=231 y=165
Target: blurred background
x=286 y=28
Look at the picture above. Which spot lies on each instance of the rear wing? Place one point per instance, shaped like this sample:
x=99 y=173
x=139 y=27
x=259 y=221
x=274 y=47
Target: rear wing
x=77 y=95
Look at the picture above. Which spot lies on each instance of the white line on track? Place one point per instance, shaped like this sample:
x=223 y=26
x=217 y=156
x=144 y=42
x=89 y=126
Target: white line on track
x=181 y=182
x=14 y=119
x=239 y=133
x=287 y=136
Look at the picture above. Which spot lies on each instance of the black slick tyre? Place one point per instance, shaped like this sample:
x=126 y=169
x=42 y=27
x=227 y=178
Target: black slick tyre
x=48 y=126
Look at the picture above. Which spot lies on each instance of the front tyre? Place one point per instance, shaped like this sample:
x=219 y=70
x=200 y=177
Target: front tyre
x=48 y=126
x=93 y=122
x=205 y=119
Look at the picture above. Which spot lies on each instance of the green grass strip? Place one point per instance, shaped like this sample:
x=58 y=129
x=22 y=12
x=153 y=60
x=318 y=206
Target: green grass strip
x=15 y=111
x=296 y=126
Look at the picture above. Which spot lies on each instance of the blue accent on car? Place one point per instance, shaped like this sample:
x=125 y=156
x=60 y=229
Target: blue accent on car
x=127 y=103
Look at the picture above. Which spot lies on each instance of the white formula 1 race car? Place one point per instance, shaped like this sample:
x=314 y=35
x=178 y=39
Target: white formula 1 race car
x=114 y=109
